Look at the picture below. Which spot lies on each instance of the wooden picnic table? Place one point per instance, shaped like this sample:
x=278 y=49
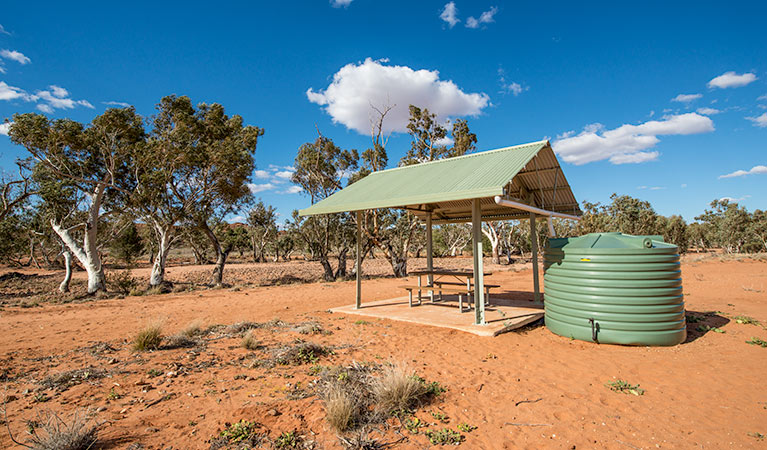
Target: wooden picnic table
x=462 y=277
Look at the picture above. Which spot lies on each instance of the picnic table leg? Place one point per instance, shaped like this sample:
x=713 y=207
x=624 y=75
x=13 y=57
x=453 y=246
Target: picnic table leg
x=419 y=289
x=410 y=297
x=460 y=302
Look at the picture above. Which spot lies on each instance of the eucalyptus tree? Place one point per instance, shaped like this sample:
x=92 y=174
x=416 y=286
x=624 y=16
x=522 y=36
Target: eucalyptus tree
x=198 y=163
x=93 y=160
x=321 y=168
x=262 y=220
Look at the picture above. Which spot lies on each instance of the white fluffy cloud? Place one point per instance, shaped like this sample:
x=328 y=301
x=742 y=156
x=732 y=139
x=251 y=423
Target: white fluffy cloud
x=759 y=121
x=9 y=93
x=741 y=173
x=5 y=128
x=340 y=3
x=708 y=111
x=486 y=17
x=58 y=98
x=355 y=87
x=3 y=31
x=627 y=143
x=15 y=56
x=762 y=98
x=292 y=190
x=120 y=104
x=47 y=101
x=449 y=14
x=731 y=79
x=277 y=179
x=256 y=188
x=686 y=98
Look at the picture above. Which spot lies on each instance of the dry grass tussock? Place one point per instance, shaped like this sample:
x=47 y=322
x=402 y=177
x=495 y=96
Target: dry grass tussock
x=149 y=337
x=398 y=389
x=249 y=341
x=193 y=329
x=346 y=392
x=52 y=432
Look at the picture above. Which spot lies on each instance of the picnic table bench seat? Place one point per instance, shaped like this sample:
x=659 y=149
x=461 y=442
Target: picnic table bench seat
x=459 y=289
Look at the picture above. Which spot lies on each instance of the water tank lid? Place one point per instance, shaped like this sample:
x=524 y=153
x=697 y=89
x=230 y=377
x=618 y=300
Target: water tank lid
x=611 y=240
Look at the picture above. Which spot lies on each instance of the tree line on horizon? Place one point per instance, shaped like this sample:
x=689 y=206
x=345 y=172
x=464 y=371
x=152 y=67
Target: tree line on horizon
x=127 y=186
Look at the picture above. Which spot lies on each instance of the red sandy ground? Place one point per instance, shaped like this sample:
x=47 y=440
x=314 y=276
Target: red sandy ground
x=706 y=393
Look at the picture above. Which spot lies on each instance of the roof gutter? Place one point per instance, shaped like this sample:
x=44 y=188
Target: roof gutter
x=533 y=209
x=543 y=212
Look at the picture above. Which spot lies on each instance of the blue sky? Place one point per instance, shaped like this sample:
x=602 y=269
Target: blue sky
x=599 y=80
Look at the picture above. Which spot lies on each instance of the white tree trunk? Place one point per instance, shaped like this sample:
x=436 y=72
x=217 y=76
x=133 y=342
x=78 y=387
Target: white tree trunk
x=492 y=235
x=158 y=268
x=64 y=286
x=88 y=252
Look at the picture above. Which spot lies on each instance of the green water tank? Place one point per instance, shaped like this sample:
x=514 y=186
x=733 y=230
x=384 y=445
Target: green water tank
x=614 y=288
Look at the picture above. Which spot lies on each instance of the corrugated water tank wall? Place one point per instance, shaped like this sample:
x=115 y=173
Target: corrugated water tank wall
x=614 y=288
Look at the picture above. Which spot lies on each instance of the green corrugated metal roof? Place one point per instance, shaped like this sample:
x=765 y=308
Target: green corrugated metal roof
x=476 y=175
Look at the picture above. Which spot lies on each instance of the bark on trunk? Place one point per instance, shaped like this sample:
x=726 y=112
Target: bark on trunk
x=328 y=274
x=217 y=277
x=64 y=286
x=341 y=270
x=87 y=253
x=164 y=240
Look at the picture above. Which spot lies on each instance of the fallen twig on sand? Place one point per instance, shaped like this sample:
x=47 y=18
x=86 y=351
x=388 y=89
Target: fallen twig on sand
x=628 y=445
x=528 y=401
x=528 y=424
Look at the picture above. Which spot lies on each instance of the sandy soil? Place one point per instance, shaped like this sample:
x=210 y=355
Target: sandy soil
x=528 y=389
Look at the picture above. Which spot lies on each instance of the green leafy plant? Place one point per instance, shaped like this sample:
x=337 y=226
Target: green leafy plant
x=288 y=439
x=239 y=432
x=113 y=394
x=625 y=387
x=466 y=428
x=413 y=424
x=152 y=373
x=693 y=319
x=362 y=322
x=704 y=328
x=758 y=436
x=445 y=436
x=756 y=341
x=746 y=320
x=442 y=417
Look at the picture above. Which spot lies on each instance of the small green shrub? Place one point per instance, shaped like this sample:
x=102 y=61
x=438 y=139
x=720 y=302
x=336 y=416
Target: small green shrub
x=466 y=428
x=445 y=436
x=746 y=320
x=413 y=424
x=302 y=353
x=625 y=387
x=239 y=432
x=122 y=282
x=442 y=417
x=756 y=341
x=288 y=439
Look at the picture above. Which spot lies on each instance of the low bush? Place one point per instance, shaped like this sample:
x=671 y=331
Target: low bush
x=625 y=387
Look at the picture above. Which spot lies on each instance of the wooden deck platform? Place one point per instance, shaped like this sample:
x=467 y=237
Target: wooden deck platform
x=504 y=314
